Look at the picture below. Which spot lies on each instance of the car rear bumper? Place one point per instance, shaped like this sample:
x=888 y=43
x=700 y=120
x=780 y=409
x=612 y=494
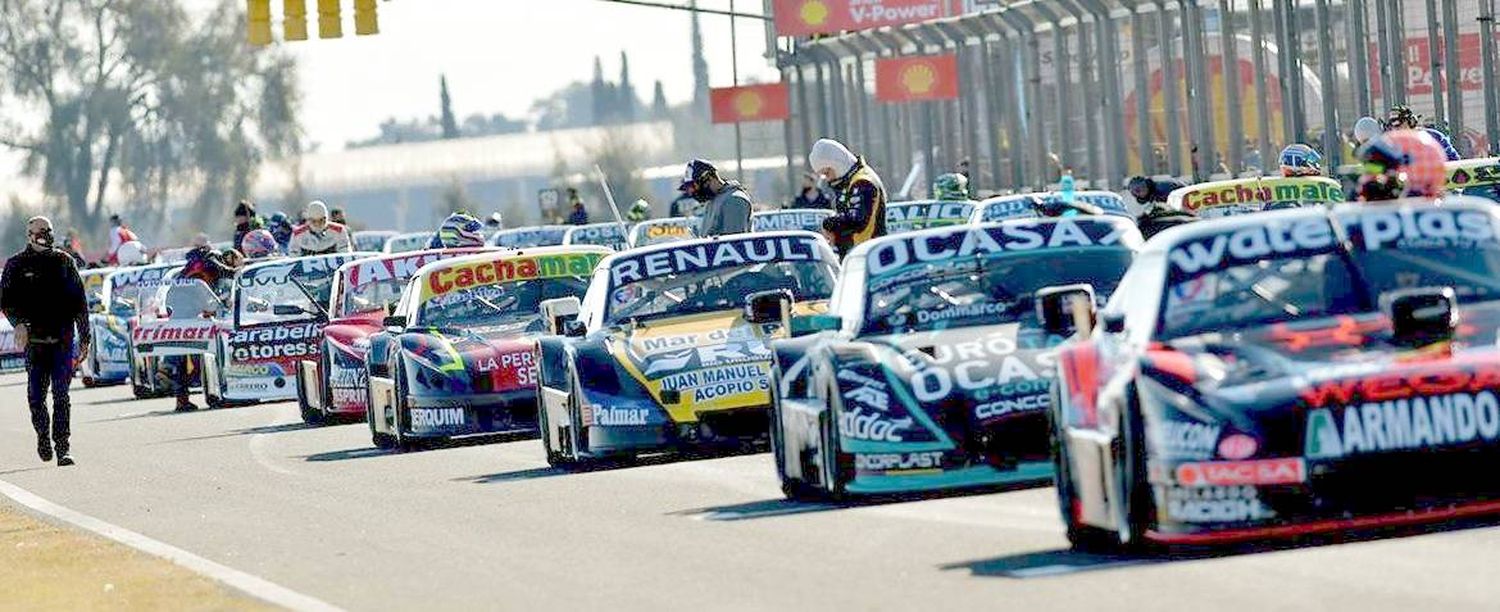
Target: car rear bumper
x=728 y=428
x=454 y=416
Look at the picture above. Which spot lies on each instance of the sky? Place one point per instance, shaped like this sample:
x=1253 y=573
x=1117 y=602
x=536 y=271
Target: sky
x=500 y=55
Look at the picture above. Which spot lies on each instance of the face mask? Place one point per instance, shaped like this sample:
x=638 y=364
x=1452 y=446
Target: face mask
x=43 y=239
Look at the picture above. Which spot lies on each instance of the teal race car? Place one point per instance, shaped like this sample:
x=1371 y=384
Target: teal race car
x=934 y=373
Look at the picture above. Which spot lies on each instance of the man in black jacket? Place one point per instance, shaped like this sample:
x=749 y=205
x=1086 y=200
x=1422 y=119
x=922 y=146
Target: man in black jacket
x=1152 y=196
x=42 y=295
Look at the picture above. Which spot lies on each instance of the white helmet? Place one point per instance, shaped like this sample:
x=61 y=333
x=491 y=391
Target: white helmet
x=1366 y=128
x=316 y=210
x=131 y=253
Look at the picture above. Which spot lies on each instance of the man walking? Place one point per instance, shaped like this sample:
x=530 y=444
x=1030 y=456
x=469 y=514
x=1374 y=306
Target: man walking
x=42 y=295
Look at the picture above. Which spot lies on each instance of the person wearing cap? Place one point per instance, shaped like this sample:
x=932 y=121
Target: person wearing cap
x=43 y=297
x=859 y=200
x=119 y=233
x=319 y=236
x=727 y=205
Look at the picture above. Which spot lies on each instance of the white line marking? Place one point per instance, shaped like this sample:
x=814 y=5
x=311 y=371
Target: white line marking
x=259 y=588
x=258 y=452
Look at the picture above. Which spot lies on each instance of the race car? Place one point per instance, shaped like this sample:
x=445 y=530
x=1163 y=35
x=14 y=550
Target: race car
x=333 y=382
x=612 y=234
x=176 y=317
x=661 y=356
x=908 y=216
x=457 y=357
x=1241 y=196
x=278 y=309
x=12 y=356
x=372 y=241
x=934 y=372
x=93 y=291
x=657 y=231
x=1475 y=177
x=112 y=356
x=524 y=237
x=1287 y=373
x=805 y=219
x=403 y=243
x=1034 y=205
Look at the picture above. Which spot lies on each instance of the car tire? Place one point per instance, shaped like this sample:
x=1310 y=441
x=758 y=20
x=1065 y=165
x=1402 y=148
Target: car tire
x=310 y=414
x=833 y=468
x=382 y=441
x=1139 y=513
x=795 y=489
x=404 y=443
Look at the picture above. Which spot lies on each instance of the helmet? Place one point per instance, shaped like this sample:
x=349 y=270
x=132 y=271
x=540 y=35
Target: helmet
x=1140 y=187
x=1300 y=160
x=495 y=221
x=316 y=210
x=258 y=243
x=1366 y=128
x=461 y=230
x=1405 y=162
x=1401 y=116
x=639 y=211
x=131 y=253
x=951 y=186
x=279 y=218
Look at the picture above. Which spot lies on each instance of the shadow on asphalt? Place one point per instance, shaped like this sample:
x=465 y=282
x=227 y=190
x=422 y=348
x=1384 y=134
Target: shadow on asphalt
x=367 y=452
x=24 y=470
x=769 y=508
x=247 y=431
x=611 y=464
x=119 y=400
x=1062 y=562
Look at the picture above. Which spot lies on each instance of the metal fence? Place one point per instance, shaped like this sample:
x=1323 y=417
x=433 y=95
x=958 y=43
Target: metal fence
x=1115 y=88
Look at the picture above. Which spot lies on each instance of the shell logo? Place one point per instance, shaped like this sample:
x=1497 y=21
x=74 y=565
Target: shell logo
x=813 y=12
x=749 y=103
x=919 y=78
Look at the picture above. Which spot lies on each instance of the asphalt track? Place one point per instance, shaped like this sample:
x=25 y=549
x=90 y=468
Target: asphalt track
x=490 y=526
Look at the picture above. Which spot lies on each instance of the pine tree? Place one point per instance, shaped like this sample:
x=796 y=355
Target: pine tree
x=659 y=108
x=700 y=67
x=627 y=99
x=599 y=91
x=450 y=124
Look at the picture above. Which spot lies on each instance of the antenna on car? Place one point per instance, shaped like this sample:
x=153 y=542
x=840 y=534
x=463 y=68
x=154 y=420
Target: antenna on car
x=609 y=196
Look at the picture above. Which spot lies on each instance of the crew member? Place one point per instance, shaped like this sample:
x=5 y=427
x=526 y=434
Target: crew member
x=319 y=236
x=726 y=204
x=43 y=296
x=1402 y=164
x=119 y=233
x=859 y=195
x=1156 y=216
x=1401 y=117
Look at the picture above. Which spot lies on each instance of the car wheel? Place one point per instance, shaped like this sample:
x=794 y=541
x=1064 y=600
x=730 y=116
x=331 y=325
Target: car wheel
x=403 y=442
x=1139 y=513
x=310 y=414
x=382 y=441
x=792 y=488
x=834 y=462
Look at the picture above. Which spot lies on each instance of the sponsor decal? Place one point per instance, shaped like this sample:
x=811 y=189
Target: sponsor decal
x=1415 y=423
x=806 y=220
x=124 y=280
x=1255 y=194
x=346 y=397
x=1416 y=228
x=436 y=418
x=444 y=281
x=1216 y=505
x=347 y=378
x=392 y=269
x=169 y=331
x=1013 y=405
x=978 y=365
x=891 y=256
x=698 y=257
x=728 y=389
x=252 y=370
x=898 y=462
x=699 y=378
x=872 y=426
x=280 y=273
x=620 y=417
x=1016 y=207
x=610 y=234
x=1291 y=470
x=920 y=215
x=1252 y=244
x=1186 y=439
x=1379 y=388
x=275 y=342
x=531 y=236
x=663 y=230
x=1237 y=446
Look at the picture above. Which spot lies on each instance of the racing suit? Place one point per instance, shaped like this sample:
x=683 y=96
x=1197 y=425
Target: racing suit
x=859 y=208
x=334 y=238
x=1447 y=143
x=1160 y=218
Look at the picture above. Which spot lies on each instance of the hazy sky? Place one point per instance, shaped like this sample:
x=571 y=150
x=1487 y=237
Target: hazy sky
x=500 y=55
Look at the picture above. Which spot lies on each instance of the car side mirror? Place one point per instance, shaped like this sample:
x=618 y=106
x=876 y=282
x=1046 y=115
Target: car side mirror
x=1064 y=309
x=390 y=308
x=287 y=310
x=1421 y=315
x=768 y=306
x=558 y=311
x=574 y=328
x=394 y=322
x=1113 y=322
x=811 y=324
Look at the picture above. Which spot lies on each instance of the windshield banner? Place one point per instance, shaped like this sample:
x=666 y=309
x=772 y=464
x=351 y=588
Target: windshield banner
x=892 y=255
x=304 y=267
x=664 y=230
x=728 y=253
x=506 y=270
x=602 y=234
x=908 y=216
x=1240 y=196
x=548 y=235
x=810 y=220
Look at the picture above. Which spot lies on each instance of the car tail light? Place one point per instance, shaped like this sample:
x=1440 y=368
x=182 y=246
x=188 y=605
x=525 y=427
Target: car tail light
x=1175 y=364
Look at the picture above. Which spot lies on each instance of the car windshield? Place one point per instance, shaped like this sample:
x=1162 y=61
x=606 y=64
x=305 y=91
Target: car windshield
x=179 y=299
x=271 y=294
x=370 y=297
x=1264 y=292
x=1473 y=273
x=497 y=304
x=718 y=289
x=984 y=291
x=407 y=242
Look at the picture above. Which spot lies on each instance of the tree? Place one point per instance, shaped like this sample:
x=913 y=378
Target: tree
x=659 y=108
x=599 y=90
x=133 y=99
x=626 y=95
x=700 y=68
x=450 y=125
